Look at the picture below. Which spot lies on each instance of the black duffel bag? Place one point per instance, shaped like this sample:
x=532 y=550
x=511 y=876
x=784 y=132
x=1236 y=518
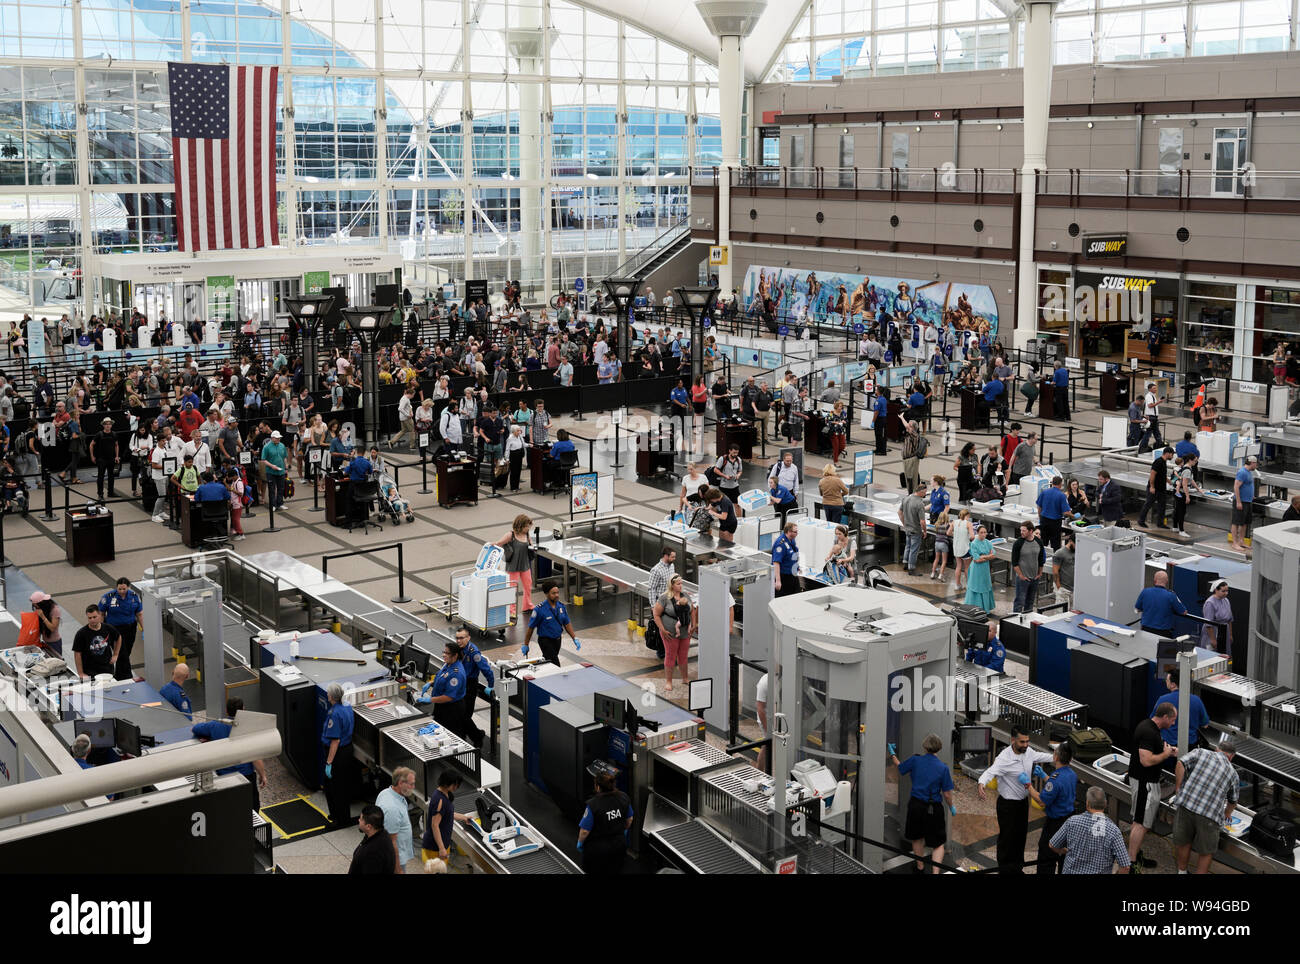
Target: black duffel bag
x=1272 y=832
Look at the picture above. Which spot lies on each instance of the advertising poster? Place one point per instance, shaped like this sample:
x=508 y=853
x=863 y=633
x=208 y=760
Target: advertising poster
x=863 y=465
x=582 y=497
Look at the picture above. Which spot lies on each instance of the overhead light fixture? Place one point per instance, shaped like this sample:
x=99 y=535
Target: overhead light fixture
x=1089 y=125
x=591 y=176
x=844 y=130
x=999 y=127
x=918 y=128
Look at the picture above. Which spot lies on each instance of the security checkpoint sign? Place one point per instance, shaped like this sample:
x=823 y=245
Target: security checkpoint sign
x=863 y=467
x=422 y=440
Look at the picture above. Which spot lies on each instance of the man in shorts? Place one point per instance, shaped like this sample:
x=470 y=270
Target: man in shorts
x=1150 y=751
x=1207 y=794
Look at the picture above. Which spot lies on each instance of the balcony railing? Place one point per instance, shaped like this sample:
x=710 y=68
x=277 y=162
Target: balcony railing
x=1243 y=184
x=652 y=250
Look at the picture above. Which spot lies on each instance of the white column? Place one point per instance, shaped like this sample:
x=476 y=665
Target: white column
x=290 y=237
x=528 y=43
x=731 y=87
x=1037 y=76
x=84 y=197
x=381 y=132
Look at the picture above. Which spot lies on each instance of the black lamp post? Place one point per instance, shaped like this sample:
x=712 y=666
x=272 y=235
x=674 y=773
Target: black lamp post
x=699 y=301
x=623 y=291
x=366 y=322
x=308 y=311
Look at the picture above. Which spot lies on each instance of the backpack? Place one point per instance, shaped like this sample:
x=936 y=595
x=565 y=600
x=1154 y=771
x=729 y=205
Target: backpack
x=1090 y=744
x=922 y=446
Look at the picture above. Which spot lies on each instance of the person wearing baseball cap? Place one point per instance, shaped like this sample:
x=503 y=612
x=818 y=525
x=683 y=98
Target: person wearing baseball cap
x=274 y=458
x=1243 y=501
x=47 y=613
x=104 y=453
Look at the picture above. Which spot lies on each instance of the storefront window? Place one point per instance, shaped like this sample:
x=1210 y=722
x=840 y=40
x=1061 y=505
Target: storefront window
x=1054 y=300
x=1276 y=314
x=1210 y=333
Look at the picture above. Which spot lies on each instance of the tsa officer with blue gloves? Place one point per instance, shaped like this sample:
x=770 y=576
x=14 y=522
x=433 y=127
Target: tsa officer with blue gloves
x=450 y=707
x=881 y=408
x=219 y=730
x=122 y=610
x=785 y=558
x=782 y=499
x=932 y=788
x=1057 y=800
x=474 y=663
x=551 y=620
x=336 y=738
x=174 y=692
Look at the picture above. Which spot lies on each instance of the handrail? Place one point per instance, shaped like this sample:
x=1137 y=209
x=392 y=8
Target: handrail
x=647 y=254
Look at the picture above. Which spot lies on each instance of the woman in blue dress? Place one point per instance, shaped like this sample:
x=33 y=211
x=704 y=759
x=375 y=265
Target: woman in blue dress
x=979 y=580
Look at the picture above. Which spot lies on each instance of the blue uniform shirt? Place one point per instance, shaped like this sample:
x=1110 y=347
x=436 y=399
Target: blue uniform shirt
x=916 y=400
x=359 y=469
x=930 y=776
x=785 y=553
x=939 y=500
x=1197 y=718
x=1061 y=377
x=679 y=395
x=475 y=662
x=85 y=765
x=1158 y=607
x=881 y=406
x=211 y=492
x=450 y=681
x=117 y=610
x=219 y=730
x=338 y=724
x=1247 y=480
x=1186 y=448
x=994 y=656
x=174 y=695
x=1058 y=793
x=1052 y=503
x=992 y=390
x=562 y=446
x=780 y=493
x=549 y=621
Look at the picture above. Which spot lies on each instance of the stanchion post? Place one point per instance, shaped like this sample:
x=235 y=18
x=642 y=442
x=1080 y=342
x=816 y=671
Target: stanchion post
x=424 y=471
x=401 y=596
x=577 y=415
x=49 y=496
x=315 y=488
x=270 y=512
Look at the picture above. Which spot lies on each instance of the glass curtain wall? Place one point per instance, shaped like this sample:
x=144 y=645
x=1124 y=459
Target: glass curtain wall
x=854 y=38
x=460 y=132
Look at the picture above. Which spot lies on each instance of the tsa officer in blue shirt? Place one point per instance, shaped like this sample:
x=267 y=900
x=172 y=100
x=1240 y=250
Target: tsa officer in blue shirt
x=932 y=788
x=881 y=408
x=1158 y=605
x=359 y=468
x=336 y=740
x=785 y=560
x=1061 y=392
x=993 y=655
x=450 y=707
x=474 y=663
x=1057 y=800
x=219 y=730
x=551 y=620
x=781 y=497
x=1053 y=506
x=174 y=692
x=993 y=390
x=1186 y=447
x=122 y=610
x=1197 y=716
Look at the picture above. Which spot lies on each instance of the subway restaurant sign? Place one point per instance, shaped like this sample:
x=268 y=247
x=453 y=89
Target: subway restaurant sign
x=314 y=282
x=1104 y=246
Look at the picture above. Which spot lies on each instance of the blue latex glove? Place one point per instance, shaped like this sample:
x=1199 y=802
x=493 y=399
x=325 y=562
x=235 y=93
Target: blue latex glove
x=952 y=809
x=579 y=844
x=1024 y=779
x=1039 y=771
x=487 y=691
x=525 y=649
x=576 y=645
x=424 y=693
x=329 y=771
x=892 y=748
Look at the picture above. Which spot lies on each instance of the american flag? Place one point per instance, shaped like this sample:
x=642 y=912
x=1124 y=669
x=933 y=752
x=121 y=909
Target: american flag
x=223 y=152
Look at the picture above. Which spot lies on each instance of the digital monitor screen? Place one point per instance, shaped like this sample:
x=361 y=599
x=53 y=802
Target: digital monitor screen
x=975 y=739
x=102 y=733
x=128 y=737
x=413 y=654
x=608 y=711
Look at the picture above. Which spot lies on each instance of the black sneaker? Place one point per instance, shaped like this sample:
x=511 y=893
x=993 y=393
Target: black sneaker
x=1146 y=861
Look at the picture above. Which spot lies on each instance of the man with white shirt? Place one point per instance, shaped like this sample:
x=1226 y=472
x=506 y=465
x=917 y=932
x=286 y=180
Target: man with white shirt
x=449 y=427
x=786 y=474
x=1013 y=768
x=165 y=459
x=599 y=351
x=201 y=451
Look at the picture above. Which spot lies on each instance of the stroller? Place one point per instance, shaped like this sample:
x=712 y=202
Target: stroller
x=393 y=503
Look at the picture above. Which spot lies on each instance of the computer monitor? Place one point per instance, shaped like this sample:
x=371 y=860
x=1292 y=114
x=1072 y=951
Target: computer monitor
x=974 y=739
x=413 y=654
x=102 y=733
x=609 y=711
x=128 y=738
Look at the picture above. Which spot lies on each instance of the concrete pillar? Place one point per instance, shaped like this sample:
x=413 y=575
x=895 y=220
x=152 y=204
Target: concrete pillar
x=1037 y=76
x=731 y=22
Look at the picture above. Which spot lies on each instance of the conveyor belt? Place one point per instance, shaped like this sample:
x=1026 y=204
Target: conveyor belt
x=825 y=859
x=544 y=861
x=701 y=849
x=1267 y=760
x=1035 y=699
